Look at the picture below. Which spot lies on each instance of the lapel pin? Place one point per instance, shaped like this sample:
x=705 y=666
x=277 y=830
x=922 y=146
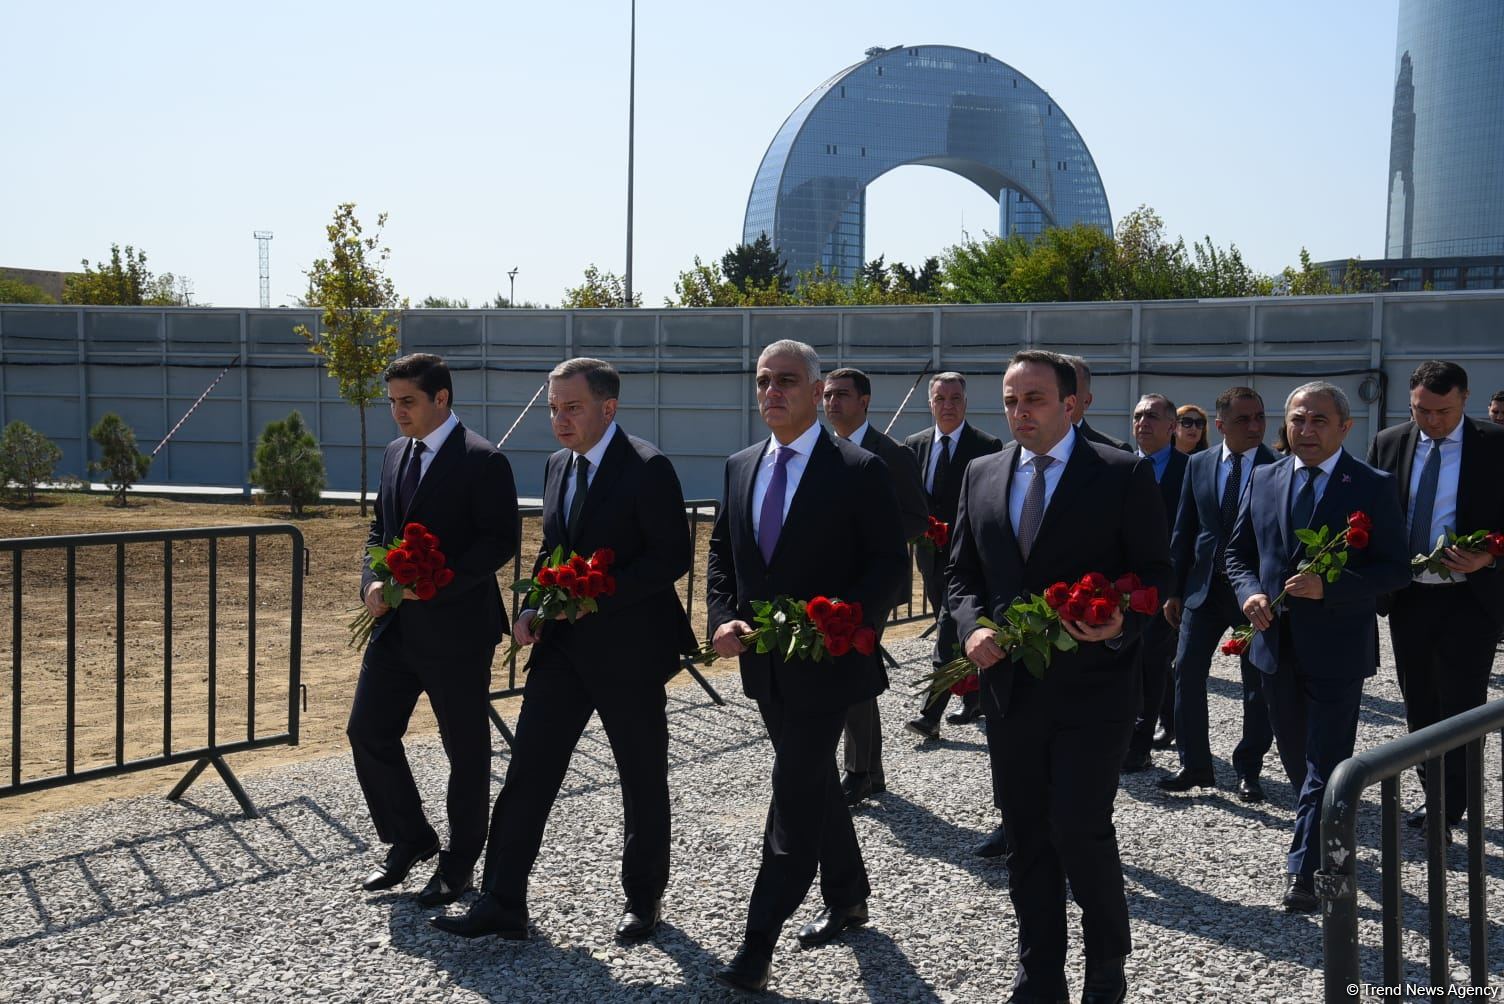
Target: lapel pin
x=1346 y=478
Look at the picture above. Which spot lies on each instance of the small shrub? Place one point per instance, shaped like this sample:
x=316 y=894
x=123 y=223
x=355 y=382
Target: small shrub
x=289 y=465
x=120 y=462
x=27 y=458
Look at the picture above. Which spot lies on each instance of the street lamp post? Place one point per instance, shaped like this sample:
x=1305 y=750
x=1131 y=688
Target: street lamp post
x=512 y=287
x=631 y=128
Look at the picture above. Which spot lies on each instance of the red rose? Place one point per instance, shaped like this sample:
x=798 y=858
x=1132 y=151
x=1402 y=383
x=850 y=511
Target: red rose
x=1075 y=608
x=595 y=583
x=546 y=577
x=435 y=560
x=405 y=572
x=969 y=685
x=1360 y=521
x=819 y=610
x=443 y=577
x=609 y=589
x=1128 y=583
x=1357 y=538
x=1095 y=581
x=838 y=644
x=1144 y=600
x=414 y=533
x=424 y=589
x=1057 y=595
x=1100 y=610
x=580 y=565
x=1235 y=646
x=864 y=640
x=854 y=611
x=1081 y=594
x=1494 y=544
x=431 y=542
x=564 y=576
x=604 y=557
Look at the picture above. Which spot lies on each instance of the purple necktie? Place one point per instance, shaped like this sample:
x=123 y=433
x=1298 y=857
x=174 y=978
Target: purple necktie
x=770 y=522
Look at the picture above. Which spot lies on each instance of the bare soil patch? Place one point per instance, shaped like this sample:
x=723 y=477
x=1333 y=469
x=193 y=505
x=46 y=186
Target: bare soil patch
x=334 y=537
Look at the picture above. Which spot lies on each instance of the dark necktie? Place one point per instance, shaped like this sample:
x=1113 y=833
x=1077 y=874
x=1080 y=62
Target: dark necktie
x=1033 y=511
x=411 y=476
x=1304 y=507
x=581 y=487
x=1230 y=493
x=942 y=467
x=770 y=517
x=1421 y=540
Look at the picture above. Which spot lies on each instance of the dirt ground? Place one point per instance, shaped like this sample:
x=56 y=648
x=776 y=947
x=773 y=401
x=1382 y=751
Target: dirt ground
x=334 y=537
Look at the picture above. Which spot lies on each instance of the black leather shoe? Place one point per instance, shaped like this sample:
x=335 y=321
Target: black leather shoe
x=1300 y=894
x=1105 y=983
x=1134 y=763
x=828 y=924
x=486 y=916
x=856 y=787
x=965 y=716
x=748 y=969
x=995 y=846
x=442 y=890
x=1249 y=790
x=923 y=728
x=1163 y=739
x=399 y=861
x=639 y=922
x=1185 y=779
x=1417 y=819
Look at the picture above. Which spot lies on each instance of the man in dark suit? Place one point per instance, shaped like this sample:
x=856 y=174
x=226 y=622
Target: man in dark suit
x=848 y=394
x=944 y=450
x=1202 y=605
x=1317 y=651
x=1052 y=508
x=1448 y=469
x=1153 y=426
x=806 y=515
x=1083 y=402
x=460 y=487
x=1496 y=408
x=605 y=489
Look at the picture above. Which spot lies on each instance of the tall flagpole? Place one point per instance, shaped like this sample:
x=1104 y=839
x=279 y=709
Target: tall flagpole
x=631 y=137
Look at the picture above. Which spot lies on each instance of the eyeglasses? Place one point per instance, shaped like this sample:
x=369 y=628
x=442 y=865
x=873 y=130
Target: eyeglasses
x=1191 y=422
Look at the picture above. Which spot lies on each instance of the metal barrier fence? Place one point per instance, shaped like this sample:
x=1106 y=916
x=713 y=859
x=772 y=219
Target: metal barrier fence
x=215 y=748
x=1337 y=882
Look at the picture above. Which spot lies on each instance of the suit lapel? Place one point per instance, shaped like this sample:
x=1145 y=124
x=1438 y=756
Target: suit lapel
x=743 y=483
x=553 y=496
x=613 y=465
x=1282 y=475
x=1407 y=464
x=1079 y=472
x=926 y=445
x=1010 y=467
x=808 y=495
x=1334 y=500
x=439 y=468
x=1470 y=481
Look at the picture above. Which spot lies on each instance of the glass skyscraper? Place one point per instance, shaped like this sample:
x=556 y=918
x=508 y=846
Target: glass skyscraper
x=937 y=105
x=1446 y=147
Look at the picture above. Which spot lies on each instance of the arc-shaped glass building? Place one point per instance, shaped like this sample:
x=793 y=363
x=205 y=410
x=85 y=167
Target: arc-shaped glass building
x=1446 y=147
x=956 y=109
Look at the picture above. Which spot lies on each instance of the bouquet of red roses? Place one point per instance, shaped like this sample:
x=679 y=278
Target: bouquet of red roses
x=1326 y=556
x=935 y=538
x=1032 y=632
x=411 y=562
x=799 y=629
x=568 y=585
x=1478 y=540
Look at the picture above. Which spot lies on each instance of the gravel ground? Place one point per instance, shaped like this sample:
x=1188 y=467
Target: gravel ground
x=141 y=899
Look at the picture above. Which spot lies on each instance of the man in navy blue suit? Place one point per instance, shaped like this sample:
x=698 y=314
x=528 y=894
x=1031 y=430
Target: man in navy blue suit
x=1202 y=595
x=1319 y=647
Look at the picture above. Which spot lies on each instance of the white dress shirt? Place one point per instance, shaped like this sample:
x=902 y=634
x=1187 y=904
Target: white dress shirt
x=955 y=438
x=1444 y=514
x=594 y=455
x=1224 y=468
x=859 y=435
x=431 y=444
x=1024 y=476
x=793 y=470
x=1298 y=480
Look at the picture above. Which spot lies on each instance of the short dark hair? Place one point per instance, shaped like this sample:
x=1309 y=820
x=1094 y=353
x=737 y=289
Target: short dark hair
x=600 y=376
x=1065 y=373
x=1439 y=376
x=1498 y=396
x=949 y=376
x=1160 y=399
x=859 y=380
x=1231 y=394
x=428 y=371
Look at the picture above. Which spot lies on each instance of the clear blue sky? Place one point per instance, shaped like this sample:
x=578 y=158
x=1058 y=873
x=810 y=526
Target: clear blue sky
x=494 y=134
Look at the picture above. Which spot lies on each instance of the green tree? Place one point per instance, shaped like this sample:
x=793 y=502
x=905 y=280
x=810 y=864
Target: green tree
x=120 y=462
x=500 y=302
x=875 y=275
x=27 y=458
x=444 y=303
x=600 y=289
x=1066 y=264
x=1218 y=273
x=125 y=281
x=13 y=290
x=755 y=267
x=1308 y=280
x=703 y=286
x=356 y=337
x=925 y=283
x=1357 y=279
x=980 y=271
x=289 y=465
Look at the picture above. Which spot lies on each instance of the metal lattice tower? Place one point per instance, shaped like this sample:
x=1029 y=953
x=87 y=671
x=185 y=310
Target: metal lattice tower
x=263 y=256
